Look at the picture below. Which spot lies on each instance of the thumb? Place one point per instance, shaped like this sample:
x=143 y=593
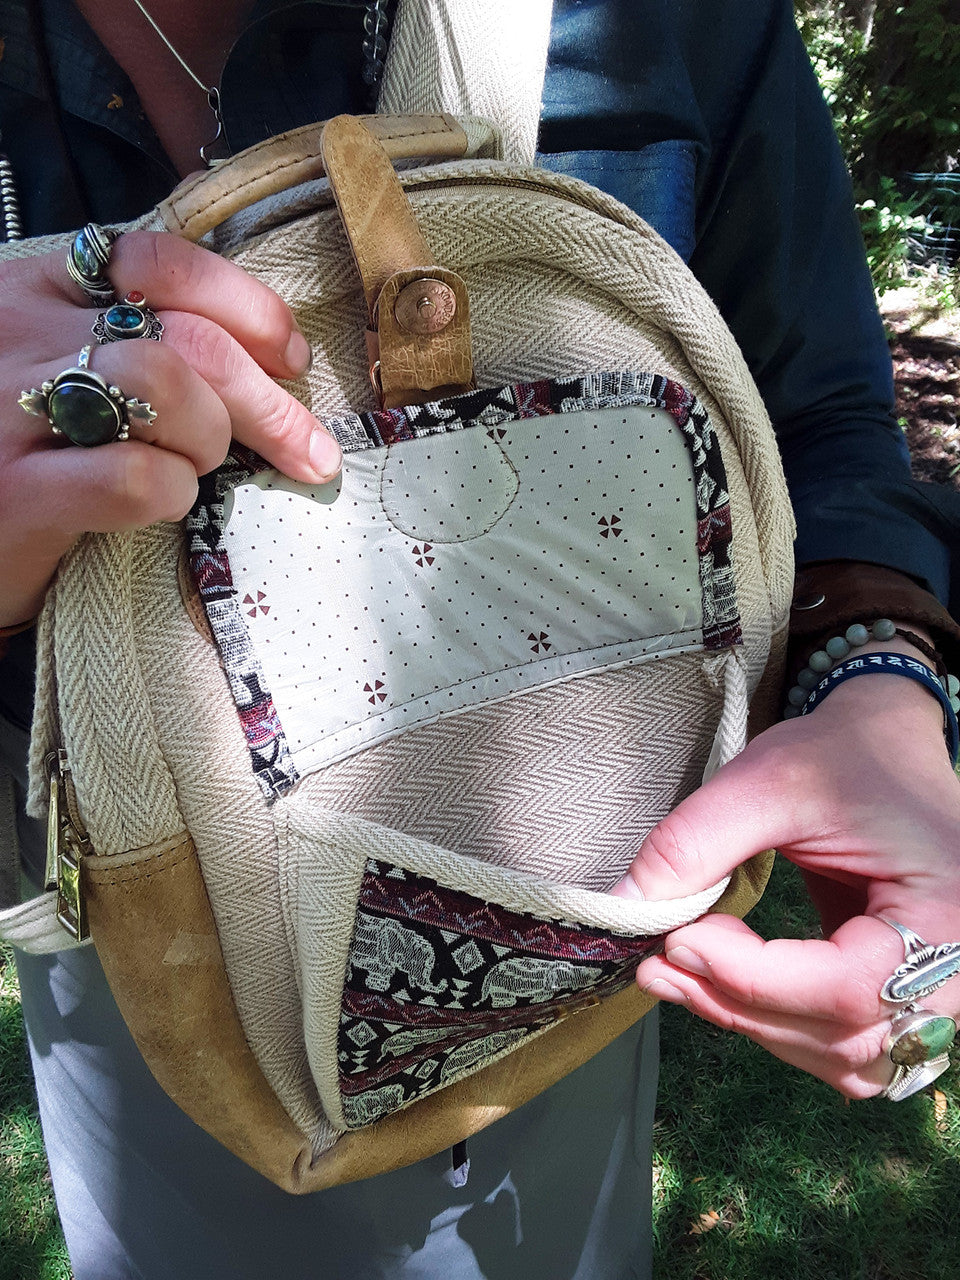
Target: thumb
x=738 y=813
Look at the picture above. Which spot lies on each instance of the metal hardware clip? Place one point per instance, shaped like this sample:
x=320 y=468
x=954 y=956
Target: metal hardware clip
x=67 y=842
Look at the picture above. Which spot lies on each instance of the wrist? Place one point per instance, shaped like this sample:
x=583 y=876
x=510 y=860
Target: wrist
x=831 y=595
x=895 y=657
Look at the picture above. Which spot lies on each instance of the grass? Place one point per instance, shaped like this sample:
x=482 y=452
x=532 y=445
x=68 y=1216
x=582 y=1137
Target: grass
x=760 y=1171
x=31 y=1245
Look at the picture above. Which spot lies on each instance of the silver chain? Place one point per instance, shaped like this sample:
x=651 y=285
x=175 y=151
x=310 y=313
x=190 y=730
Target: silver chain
x=212 y=92
x=375 y=24
x=9 y=203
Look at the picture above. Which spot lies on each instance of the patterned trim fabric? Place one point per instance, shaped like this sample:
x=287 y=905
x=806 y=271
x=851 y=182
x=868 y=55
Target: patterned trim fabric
x=441 y=983
x=377 y=429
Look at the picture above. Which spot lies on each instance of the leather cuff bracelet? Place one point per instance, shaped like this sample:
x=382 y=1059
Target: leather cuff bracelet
x=829 y=596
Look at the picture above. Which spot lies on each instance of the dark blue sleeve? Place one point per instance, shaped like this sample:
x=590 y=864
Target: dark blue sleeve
x=776 y=244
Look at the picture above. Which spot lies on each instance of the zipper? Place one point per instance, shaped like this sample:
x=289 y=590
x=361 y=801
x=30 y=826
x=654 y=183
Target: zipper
x=67 y=844
x=508 y=180
x=325 y=200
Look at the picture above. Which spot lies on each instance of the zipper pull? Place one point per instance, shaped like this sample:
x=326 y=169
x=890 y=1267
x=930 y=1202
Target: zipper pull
x=67 y=842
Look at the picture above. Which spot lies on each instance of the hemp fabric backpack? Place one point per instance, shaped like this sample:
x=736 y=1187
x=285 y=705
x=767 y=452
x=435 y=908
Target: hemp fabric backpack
x=338 y=775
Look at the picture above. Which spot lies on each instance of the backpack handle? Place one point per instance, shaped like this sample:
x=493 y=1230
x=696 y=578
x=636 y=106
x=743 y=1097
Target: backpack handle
x=205 y=200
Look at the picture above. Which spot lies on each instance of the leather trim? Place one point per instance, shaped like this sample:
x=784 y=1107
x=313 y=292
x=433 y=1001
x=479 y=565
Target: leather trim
x=205 y=200
x=376 y=214
x=391 y=253
x=154 y=932
x=415 y=368
x=854 y=591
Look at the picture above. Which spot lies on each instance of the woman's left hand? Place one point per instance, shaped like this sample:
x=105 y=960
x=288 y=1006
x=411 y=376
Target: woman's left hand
x=860 y=795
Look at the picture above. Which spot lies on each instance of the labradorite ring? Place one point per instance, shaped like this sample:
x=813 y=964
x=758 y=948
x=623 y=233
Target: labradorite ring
x=131 y=318
x=87 y=260
x=84 y=408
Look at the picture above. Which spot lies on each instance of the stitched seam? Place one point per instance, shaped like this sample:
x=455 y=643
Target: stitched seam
x=137 y=873
x=431 y=716
x=185 y=220
x=393 y=518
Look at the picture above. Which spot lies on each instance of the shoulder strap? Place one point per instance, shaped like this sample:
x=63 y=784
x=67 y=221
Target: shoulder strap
x=483 y=58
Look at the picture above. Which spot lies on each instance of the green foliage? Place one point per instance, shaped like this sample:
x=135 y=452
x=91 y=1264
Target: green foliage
x=912 y=70
x=887 y=224
x=895 y=88
x=891 y=74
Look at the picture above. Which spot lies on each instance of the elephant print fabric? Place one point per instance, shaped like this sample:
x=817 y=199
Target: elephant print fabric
x=440 y=982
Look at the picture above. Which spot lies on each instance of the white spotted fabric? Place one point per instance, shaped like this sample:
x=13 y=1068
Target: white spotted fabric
x=453 y=565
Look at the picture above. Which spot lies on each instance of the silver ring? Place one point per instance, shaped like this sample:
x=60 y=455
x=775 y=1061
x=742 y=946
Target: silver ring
x=87 y=260
x=910 y=1080
x=131 y=318
x=925 y=968
x=84 y=408
x=917 y=1045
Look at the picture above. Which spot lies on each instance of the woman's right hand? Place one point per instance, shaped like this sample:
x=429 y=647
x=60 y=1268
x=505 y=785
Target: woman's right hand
x=226 y=338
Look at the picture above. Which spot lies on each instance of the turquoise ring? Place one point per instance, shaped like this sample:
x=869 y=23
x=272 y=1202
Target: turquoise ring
x=919 y=1039
x=84 y=408
x=917 y=1044
x=131 y=318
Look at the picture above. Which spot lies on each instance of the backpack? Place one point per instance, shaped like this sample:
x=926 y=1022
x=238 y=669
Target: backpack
x=337 y=776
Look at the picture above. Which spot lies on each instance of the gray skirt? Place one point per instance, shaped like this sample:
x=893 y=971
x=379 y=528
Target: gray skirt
x=558 y=1190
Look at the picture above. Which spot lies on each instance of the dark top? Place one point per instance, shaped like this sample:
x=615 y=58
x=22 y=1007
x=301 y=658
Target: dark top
x=705 y=118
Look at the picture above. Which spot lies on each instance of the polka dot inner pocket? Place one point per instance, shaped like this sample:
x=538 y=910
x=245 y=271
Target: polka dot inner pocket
x=473 y=550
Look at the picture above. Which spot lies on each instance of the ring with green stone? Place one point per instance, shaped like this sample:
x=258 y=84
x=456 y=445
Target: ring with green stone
x=84 y=408
x=917 y=1044
x=87 y=260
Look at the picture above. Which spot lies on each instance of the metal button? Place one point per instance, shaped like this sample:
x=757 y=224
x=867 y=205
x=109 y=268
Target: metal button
x=805 y=600
x=425 y=306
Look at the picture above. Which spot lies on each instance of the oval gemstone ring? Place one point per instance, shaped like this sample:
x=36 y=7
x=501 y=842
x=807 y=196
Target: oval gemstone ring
x=131 y=318
x=84 y=408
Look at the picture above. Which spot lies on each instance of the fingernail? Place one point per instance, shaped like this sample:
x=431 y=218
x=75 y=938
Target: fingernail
x=686 y=959
x=324 y=453
x=298 y=355
x=660 y=989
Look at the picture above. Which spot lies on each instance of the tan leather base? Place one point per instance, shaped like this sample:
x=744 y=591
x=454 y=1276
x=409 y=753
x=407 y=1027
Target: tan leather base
x=151 y=923
x=155 y=935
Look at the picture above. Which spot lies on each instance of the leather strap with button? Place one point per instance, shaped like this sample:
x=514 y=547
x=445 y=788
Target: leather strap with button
x=419 y=335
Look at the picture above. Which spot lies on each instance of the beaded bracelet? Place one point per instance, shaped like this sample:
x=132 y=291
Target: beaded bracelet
x=891 y=664
x=839 y=647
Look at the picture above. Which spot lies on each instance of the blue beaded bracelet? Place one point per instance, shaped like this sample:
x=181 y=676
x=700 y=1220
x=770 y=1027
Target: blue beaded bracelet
x=896 y=664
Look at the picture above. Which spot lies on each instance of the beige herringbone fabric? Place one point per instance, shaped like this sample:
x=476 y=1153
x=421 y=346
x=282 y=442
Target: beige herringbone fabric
x=470 y=59
x=562 y=783
x=590 y=287
x=580 y=819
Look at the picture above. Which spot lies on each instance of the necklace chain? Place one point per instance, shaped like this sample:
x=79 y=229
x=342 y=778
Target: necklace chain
x=375 y=25
x=207 y=89
x=211 y=90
